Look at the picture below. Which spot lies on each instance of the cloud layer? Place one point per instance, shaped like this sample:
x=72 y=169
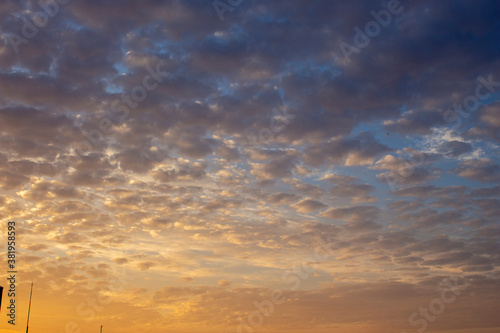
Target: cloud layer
x=175 y=162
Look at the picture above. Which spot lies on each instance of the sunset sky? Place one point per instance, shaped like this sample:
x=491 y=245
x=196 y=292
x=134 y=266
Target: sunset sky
x=234 y=166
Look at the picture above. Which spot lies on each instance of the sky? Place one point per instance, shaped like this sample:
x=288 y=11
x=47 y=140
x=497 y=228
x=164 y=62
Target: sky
x=251 y=166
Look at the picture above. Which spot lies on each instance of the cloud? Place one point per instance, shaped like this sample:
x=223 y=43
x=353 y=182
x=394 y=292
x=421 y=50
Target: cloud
x=350 y=187
x=204 y=159
x=308 y=206
x=490 y=115
x=282 y=198
x=358 y=217
x=483 y=170
x=415 y=121
x=401 y=171
x=455 y=148
x=277 y=168
x=360 y=150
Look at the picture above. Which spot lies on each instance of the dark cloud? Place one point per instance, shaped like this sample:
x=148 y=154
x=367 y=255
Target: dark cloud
x=454 y=149
x=360 y=150
x=483 y=170
x=419 y=122
x=350 y=187
x=155 y=137
x=402 y=172
x=282 y=198
x=487 y=192
x=308 y=206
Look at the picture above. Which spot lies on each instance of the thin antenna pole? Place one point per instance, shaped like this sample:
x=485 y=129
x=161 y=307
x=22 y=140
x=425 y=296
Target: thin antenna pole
x=29 y=308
